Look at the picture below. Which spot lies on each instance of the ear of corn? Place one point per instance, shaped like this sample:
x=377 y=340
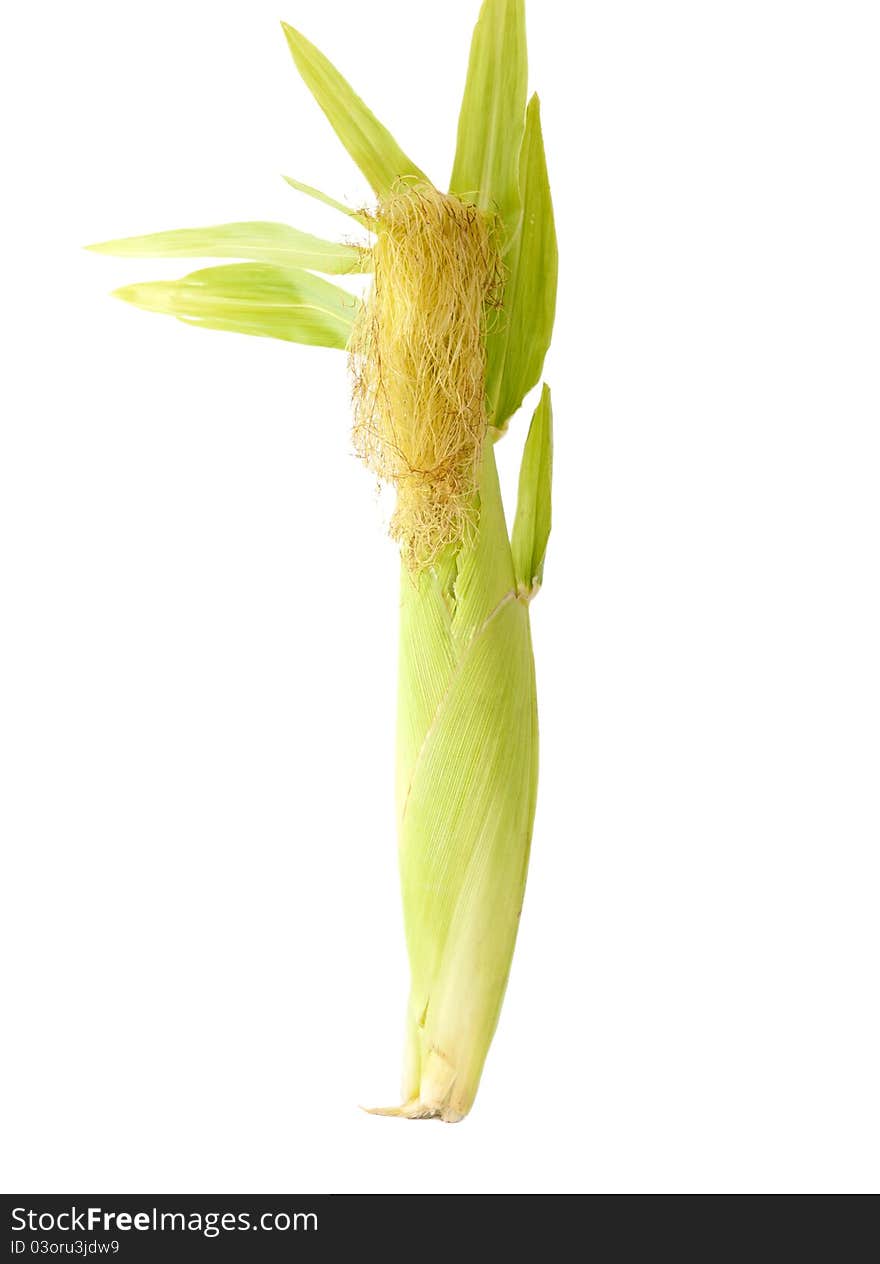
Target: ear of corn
x=446 y=345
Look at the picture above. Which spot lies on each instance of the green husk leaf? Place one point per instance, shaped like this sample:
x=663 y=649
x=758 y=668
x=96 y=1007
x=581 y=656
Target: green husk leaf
x=257 y=241
x=258 y=299
x=370 y=144
x=490 y=125
x=516 y=347
x=466 y=787
x=531 y=527
x=312 y=192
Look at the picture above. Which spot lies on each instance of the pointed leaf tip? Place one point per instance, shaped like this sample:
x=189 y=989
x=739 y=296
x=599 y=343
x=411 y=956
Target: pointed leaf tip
x=491 y=121
x=516 y=349
x=312 y=192
x=150 y=296
x=531 y=528
x=258 y=241
x=258 y=299
x=370 y=144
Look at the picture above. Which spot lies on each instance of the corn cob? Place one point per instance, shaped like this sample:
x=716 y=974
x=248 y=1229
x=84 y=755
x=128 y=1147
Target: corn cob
x=449 y=340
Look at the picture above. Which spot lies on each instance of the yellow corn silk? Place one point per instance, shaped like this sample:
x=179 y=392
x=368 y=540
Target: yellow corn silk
x=449 y=340
x=418 y=361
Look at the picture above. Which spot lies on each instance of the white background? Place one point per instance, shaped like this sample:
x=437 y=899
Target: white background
x=202 y=947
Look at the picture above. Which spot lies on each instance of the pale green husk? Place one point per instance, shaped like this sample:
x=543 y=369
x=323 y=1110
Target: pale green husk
x=466 y=787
